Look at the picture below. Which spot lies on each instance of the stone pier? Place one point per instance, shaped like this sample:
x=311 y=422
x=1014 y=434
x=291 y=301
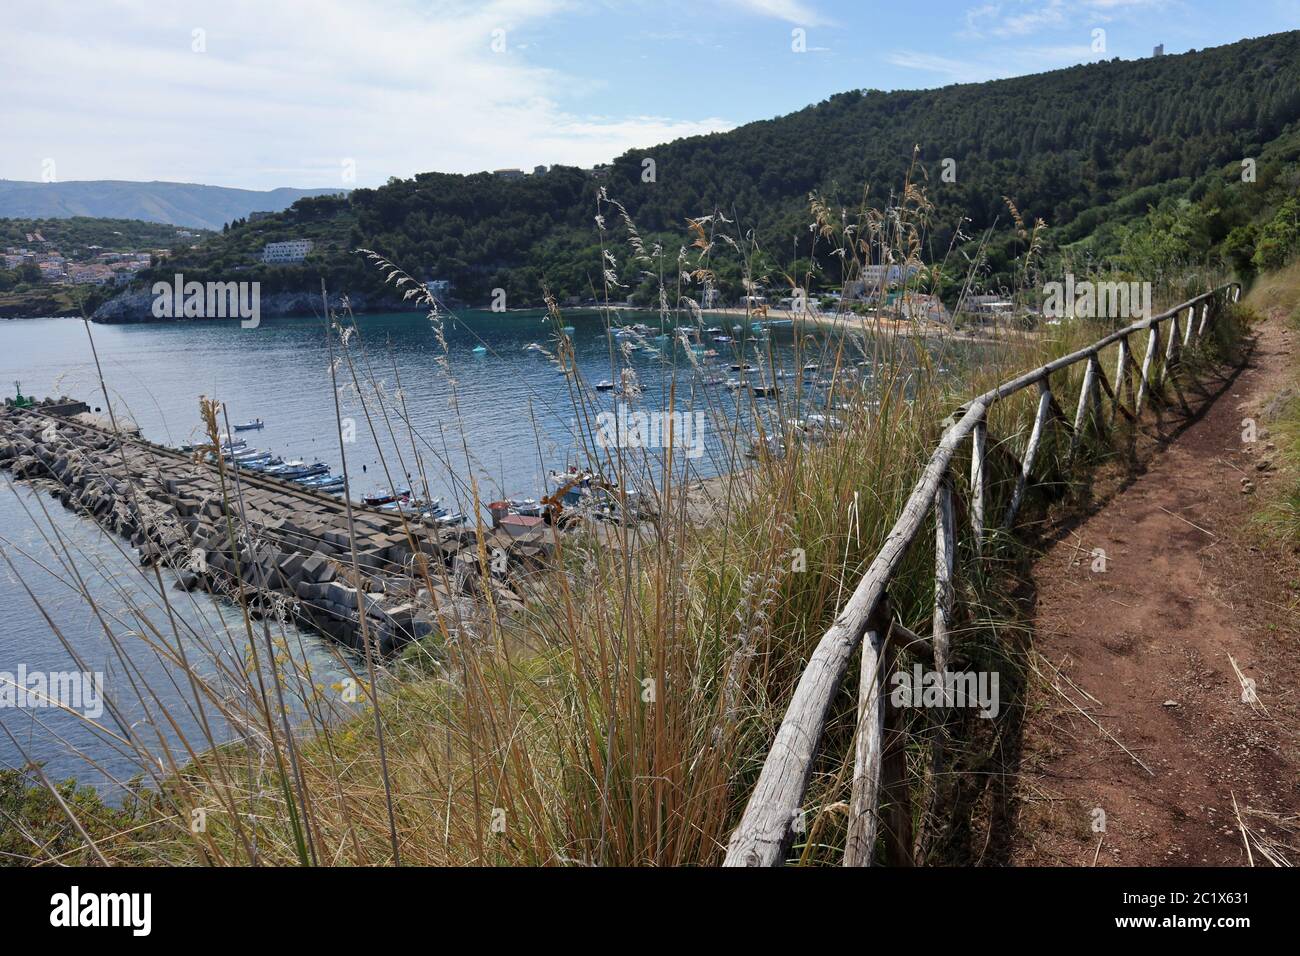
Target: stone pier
x=281 y=548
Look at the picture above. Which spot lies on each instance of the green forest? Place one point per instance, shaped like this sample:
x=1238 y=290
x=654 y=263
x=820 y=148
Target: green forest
x=1119 y=159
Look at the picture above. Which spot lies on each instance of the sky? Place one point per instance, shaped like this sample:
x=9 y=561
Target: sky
x=266 y=93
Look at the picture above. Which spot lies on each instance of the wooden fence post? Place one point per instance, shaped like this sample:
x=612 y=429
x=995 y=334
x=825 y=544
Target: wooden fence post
x=1044 y=412
x=979 y=438
x=869 y=743
x=1145 y=385
x=1086 y=392
x=1173 y=351
x=1121 y=378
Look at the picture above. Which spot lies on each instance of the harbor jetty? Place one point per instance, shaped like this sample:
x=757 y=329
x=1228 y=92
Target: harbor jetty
x=285 y=551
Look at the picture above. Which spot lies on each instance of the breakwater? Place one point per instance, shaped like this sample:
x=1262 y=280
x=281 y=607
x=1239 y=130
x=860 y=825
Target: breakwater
x=278 y=548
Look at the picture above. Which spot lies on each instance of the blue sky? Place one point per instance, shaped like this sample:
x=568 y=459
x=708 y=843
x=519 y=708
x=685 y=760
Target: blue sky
x=264 y=93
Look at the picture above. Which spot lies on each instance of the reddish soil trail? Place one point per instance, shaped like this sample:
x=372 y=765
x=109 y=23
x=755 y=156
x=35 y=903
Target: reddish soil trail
x=1140 y=657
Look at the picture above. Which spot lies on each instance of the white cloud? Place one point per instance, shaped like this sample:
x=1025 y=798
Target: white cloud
x=285 y=93
x=792 y=11
x=1017 y=18
x=956 y=71
x=993 y=64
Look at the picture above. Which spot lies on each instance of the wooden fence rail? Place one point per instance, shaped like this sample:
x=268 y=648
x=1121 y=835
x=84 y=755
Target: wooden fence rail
x=878 y=804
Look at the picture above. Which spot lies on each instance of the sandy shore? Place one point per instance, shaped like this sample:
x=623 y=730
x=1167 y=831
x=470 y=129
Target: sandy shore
x=850 y=322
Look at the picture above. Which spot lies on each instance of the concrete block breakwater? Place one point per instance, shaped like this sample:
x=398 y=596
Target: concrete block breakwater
x=291 y=556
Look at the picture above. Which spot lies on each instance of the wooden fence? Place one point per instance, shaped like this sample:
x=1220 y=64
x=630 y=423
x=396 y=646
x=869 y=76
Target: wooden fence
x=879 y=802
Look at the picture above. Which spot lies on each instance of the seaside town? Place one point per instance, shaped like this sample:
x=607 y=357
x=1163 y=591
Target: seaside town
x=100 y=268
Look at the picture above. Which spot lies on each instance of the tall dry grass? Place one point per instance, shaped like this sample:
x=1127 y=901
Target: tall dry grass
x=621 y=716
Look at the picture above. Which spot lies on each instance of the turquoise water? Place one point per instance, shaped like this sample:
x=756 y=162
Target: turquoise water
x=504 y=416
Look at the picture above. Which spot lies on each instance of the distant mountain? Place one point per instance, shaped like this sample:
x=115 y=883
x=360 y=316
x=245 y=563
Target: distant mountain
x=178 y=204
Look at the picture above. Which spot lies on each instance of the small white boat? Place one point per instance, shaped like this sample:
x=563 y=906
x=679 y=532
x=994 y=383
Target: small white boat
x=250 y=426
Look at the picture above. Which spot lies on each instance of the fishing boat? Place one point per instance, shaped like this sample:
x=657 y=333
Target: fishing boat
x=604 y=386
x=574 y=473
x=320 y=478
x=331 y=483
x=263 y=458
x=246 y=454
x=527 y=507
x=450 y=518
x=305 y=471
x=385 y=497
x=263 y=465
x=722 y=339
x=250 y=426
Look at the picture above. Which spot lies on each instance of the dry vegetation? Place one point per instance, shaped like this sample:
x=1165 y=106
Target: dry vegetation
x=622 y=717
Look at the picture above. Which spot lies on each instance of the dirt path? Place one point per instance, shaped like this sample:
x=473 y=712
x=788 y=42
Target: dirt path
x=1145 y=649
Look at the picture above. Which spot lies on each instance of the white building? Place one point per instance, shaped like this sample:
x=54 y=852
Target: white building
x=878 y=278
x=440 y=289
x=295 y=250
x=710 y=299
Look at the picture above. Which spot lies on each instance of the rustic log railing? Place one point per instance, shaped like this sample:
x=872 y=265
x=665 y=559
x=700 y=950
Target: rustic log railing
x=879 y=789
